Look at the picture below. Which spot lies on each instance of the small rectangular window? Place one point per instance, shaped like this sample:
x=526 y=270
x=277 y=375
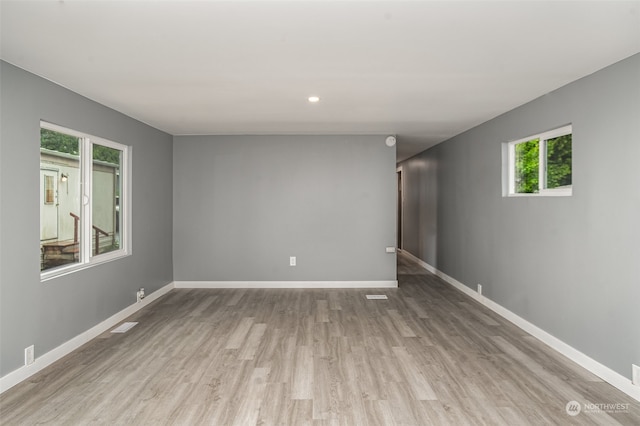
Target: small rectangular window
x=541 y=164
x=83 y=216
x=48 y=189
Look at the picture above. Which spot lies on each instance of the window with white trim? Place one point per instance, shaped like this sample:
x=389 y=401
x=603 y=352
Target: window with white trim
x=84 y=204
x=541 y=164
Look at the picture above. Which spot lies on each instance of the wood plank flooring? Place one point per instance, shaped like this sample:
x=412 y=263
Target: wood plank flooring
x=427 y=355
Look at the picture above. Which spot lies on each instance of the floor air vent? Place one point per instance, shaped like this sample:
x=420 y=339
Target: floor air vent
x=377 y=296
x=124 y=327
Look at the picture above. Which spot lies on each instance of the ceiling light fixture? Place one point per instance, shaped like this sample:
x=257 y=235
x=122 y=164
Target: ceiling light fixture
x=313 y=99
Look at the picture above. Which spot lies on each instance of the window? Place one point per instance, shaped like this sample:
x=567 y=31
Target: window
x=84 y=205
x=541 y=164
x=48 y=190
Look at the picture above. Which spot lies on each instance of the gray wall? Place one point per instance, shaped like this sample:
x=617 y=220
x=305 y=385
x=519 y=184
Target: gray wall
x=570 y=265
x=49 y=313
x=244 y=204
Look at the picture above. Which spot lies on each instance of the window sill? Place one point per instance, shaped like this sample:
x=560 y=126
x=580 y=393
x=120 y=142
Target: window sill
x=70 y=269
x=546 y=193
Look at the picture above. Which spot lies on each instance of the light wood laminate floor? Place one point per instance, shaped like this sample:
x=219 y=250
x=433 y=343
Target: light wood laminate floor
x=428 y=355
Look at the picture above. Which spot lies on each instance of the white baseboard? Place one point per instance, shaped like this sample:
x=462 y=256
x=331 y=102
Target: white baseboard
x=53 y=355
x=286 y=284
x=605 y=373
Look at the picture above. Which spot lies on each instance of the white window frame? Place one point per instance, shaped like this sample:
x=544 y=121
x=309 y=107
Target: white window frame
x=86 y=258
x=543 y=191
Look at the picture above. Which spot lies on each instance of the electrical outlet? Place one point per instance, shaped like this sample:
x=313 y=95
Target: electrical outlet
x=29 y=356
x=140 y=295
x=292 y=261
x=635 y=374
x=480 y=289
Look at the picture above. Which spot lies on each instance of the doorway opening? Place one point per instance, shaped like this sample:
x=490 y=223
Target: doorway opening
x=400 y=209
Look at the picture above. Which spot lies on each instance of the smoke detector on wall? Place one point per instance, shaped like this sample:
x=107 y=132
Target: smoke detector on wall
x=390 y=141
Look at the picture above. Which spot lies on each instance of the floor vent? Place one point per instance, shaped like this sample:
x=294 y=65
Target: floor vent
x=124 y=327
x=377 y=296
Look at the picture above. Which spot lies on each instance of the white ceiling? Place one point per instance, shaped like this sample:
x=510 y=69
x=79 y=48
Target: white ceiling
x=424 y=70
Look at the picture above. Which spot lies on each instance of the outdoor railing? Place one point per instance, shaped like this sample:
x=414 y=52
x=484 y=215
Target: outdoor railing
x=76 y=219
x=97 y=237
x=97 y=233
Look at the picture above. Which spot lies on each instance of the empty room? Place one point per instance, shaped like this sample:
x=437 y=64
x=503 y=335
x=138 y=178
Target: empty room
x=319 y=212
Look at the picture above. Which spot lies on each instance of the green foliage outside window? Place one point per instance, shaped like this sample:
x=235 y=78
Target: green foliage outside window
x=559 y=161
x=527 y=166
x=68 y=144
x=60 y=142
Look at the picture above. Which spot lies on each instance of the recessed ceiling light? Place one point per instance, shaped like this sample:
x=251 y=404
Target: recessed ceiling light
x=314 y=99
